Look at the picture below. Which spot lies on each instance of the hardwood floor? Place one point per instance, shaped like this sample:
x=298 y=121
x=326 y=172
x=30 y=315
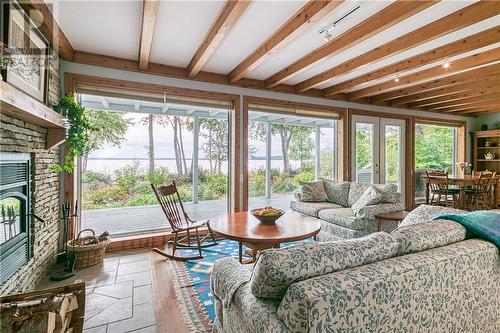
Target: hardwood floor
x=168 y=316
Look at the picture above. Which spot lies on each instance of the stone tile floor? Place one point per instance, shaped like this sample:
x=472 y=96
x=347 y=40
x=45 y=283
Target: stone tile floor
x=119 y=297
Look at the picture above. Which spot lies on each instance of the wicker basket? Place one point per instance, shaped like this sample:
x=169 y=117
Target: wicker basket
x=87 y=255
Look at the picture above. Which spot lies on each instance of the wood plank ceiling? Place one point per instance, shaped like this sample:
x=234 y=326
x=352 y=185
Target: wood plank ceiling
x=433 y=65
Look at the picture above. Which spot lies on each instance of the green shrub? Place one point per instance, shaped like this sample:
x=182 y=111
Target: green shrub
x=92 y=179
x=143 y=188
x=284 y=186
x=105 y=197
x=304 y=176
x=185 y=192
x=282 y=182
x=256 y=183
x=128 y=177
x=143 y=200
x=158 y=177
x=92 y=176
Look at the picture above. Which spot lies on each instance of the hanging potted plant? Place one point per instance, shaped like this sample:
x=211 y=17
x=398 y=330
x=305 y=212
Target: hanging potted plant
x=77 y=132
x=4 y=60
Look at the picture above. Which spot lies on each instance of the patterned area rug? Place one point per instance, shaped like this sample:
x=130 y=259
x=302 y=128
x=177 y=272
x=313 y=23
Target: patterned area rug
x=192 y=284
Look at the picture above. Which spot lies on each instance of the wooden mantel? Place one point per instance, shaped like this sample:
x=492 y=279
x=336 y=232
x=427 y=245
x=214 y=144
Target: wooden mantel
x=20 y=105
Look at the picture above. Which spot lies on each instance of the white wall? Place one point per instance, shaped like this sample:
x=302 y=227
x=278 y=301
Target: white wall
x=490 y=119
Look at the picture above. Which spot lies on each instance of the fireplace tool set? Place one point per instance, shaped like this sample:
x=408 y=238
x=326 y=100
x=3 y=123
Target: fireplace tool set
x=67 y=259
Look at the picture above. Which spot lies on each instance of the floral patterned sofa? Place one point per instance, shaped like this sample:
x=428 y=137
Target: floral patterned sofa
x=338 y=218
x=425 y=276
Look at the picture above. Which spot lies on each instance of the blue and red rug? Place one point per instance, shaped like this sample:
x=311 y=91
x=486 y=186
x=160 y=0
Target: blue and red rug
x=192 y=284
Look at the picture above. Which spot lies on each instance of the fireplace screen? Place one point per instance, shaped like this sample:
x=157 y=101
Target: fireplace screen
x=11 y=218
x=15 y=209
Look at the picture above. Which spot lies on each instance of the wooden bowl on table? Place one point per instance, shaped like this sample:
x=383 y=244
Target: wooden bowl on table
x=267 y=215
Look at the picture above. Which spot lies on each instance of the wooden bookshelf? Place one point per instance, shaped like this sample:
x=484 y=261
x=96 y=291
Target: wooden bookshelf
x=479 y=149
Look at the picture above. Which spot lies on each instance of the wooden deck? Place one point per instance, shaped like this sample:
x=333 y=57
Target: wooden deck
x=129 y=221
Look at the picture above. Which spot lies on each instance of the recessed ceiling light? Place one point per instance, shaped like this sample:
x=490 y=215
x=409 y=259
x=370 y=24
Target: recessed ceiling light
x=396 y=79
x=446 y=64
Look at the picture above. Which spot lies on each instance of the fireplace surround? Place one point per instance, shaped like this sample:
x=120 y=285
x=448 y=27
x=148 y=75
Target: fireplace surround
x=15 y=212
x=22 y=138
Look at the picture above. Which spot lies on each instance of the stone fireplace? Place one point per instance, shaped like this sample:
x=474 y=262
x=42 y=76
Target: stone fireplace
x=15 y=212
x=23 y=141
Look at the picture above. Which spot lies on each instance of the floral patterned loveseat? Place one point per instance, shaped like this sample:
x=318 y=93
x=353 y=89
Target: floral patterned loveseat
x=338 y=219
x=425 y=276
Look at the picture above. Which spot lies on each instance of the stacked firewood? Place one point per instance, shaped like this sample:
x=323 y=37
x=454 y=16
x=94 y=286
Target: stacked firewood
x=56 y=311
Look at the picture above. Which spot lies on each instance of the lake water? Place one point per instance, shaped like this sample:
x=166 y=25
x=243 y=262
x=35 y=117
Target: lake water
x=111 y=165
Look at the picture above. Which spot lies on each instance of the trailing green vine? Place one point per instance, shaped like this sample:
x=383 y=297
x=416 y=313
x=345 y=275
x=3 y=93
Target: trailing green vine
x=77 y=135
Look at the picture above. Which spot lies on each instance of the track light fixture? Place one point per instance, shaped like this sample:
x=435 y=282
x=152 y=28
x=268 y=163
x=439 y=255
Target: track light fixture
x=327 y=32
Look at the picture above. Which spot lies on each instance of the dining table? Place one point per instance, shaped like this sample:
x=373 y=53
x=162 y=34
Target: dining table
x=462 y=182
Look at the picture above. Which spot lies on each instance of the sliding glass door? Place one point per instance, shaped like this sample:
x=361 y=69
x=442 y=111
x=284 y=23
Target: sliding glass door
x=285 y=150
x=378 y=153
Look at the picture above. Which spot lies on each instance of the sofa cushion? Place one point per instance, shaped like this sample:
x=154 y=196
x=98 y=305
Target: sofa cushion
x=331 y=232
x=344 y=217
x=356 y=190
x=277 y=269
x=312 y=208
x=425 y=213
x=336 y=192
x=371 y=196
x=312 y=191
x=427 y=235
x=389 y=192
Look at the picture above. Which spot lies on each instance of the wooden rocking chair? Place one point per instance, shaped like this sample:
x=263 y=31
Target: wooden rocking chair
x=170 y=201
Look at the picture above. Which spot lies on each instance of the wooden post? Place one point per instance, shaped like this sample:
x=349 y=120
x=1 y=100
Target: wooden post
x=317 y=154
x=268 y=161
x=196 y=132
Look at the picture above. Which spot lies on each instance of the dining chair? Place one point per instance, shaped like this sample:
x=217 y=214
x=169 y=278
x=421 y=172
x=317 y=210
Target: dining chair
x=180 y=223
x=439 y=187
x=480 y=192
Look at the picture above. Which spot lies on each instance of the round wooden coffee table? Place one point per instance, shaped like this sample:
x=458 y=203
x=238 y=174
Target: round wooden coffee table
x=244 y=228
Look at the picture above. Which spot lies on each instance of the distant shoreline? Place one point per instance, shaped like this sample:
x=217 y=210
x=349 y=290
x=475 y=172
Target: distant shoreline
x=258 y=158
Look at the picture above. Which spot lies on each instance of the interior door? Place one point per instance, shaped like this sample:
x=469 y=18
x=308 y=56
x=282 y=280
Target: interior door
x=378 y=150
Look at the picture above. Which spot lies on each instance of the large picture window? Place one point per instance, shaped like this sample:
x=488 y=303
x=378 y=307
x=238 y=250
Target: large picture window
x=137 y=143
x=435 y=149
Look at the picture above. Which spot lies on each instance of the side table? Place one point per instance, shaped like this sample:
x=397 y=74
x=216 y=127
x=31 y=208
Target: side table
x=394 y=217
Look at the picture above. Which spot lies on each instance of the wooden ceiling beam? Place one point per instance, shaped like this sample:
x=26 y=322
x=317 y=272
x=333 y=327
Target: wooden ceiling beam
x=39 y=12
x=474 y=108
x=455 y=21
x=181 y=73
x=465 y=102
x=480 y=112
x=225 y=21
x=482 y=96
x=461 y=65
x=466 y=86
x=148 y=22
x=386 y=18
x=456 y=97
x=308 y=15
x=451 y=80
x=481 y=39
